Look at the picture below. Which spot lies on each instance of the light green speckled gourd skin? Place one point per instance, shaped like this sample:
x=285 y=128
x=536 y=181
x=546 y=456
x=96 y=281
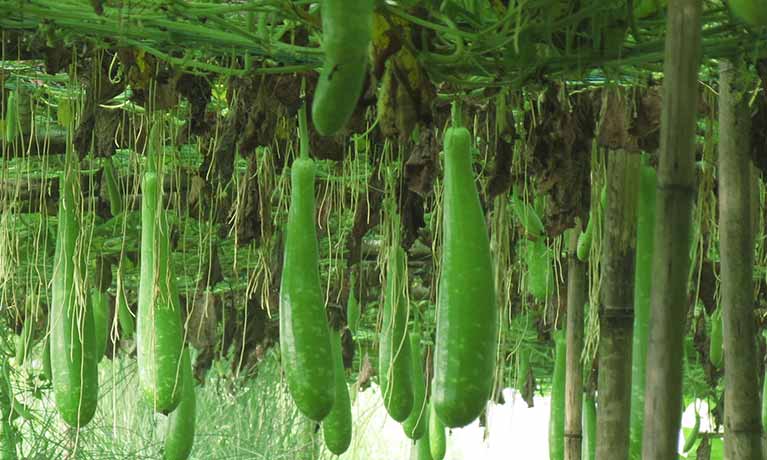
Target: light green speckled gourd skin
x=347 y=29
x=394 y=356
x=11 y=117
x=47 y=371
x=99 y=302
x=337 y=426
x=540 y=273
x=353 y=309
x=179 y=439
x=422 y=445
x=415 y=424
x=437 y=440
x=23 y=342
x=74 y=364
x=304 y=335
x=124 y=316
x=159 y=331
x=467 y=318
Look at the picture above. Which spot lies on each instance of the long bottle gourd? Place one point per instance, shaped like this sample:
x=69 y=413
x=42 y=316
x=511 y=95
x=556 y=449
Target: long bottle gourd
x=347 y=29
x=467 y=318
x=99 y=303
x=304 y=335
x=353 y=309
x=159 y=331
x=179 y=439
x=415 y=424
x=24 y=340
x=337 y=426
x=394 y=356
x=74 y=365
x=422 y=445
x=11 y=117
x=437 y=438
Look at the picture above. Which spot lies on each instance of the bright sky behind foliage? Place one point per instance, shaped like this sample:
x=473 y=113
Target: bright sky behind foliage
x=516 y=431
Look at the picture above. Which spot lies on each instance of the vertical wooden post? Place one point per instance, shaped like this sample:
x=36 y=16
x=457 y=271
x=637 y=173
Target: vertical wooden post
x=671 y=260
x=616 y=313
x=576 y=299
x=742 y=414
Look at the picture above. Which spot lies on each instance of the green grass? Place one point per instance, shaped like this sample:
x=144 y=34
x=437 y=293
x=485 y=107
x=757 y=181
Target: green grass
x=236 y=419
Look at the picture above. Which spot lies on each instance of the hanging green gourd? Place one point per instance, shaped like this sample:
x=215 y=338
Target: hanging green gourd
x=415 y=423
x=527 y=217
x=437 y=440
x=113 y=189
x=523 y=370
x=179 y=439
x=394 y=355
x=64 y=112
x=540 y=274
x=99 y=302
x=422 y=446
x=352 y=306
x=347 y=29
x=304 y=337
x=74 y=364
x=102 y=305
x=47 y=372
x=11 y=117
x=24 y=340
x=467 y=317
x=160 y=335
x=690 y=440
x=337 y=426
x=124 y=315
x=584 y=240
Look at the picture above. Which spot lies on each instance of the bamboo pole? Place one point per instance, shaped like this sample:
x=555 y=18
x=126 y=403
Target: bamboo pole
x=616 y=313
x=671 y=259
x=576 y=299
x=742 y=415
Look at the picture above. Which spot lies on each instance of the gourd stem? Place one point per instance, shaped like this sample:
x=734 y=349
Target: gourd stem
x=154 y=147
x=456 y=114
x=303 y=131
